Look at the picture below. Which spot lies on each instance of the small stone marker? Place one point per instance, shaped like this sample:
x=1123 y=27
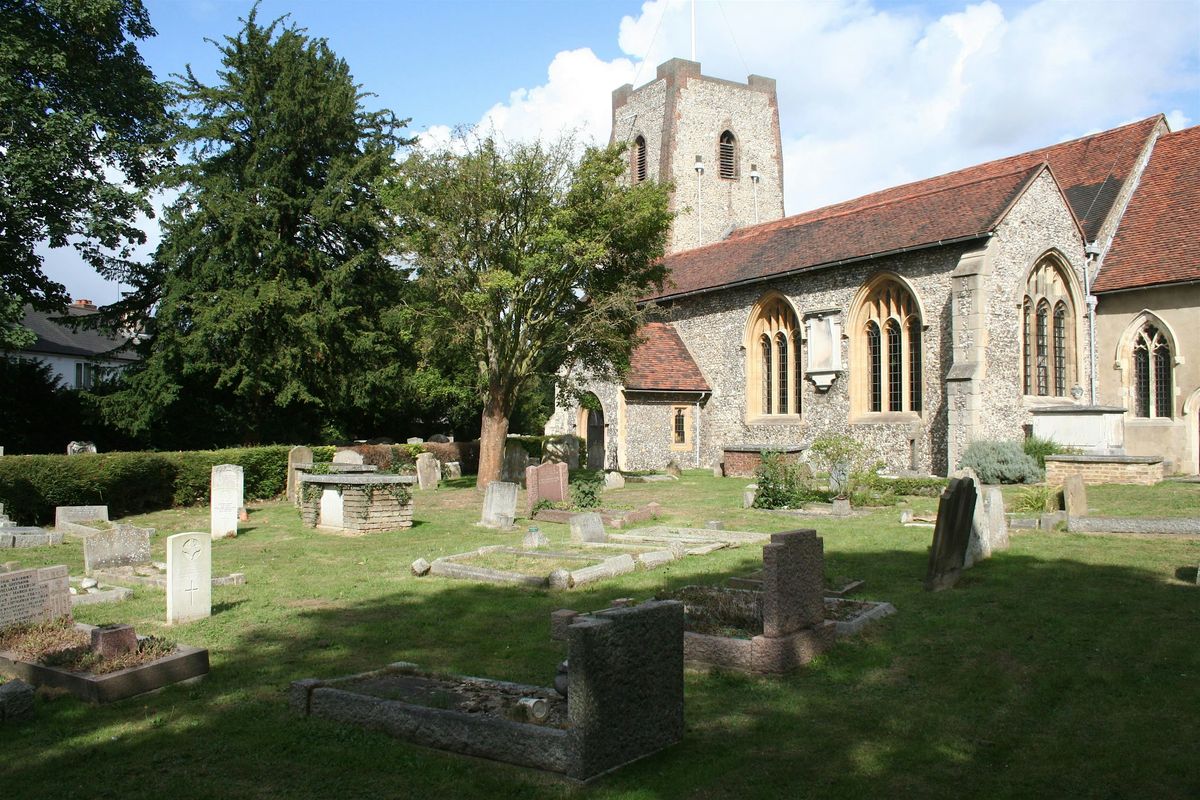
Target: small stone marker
x=420 y=567
x=111 y=641
x=718 y=469
x=429 y=471
x=793 y=582
x=499 y=505
x=614 y=480
x=120 y=546
x=1075 y=496
x=545 y=482
x=347 y=457
x=452 y=470
x=951 y=534
x=225 y=500
x=415 y=440
x=673 y=469
x=189 y=577
x=34 y=595
x=588 y=527
x=297 y=455
x=748 y=495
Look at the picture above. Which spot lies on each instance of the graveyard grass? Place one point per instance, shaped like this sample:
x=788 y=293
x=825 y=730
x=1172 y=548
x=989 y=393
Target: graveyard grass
x=1066 y=666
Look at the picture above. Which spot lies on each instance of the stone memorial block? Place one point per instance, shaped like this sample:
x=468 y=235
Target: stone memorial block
x=332 y=512
x=76 y=514
x=499 y=505
x=347 y=457
x=614 y=480
x=1075 y=496
x=588 y=527
x=225 y=500
x=16 y=698
x=297 y=455
x=452 y=470
x=793 y=582
x=545 y=482
x=119 y=546
x=111 y=641
x=993 y=503
x=34 y=595
x=429 y=471
x=415 y=440
x=951 y=534
x=189 y=577
x=440 y=438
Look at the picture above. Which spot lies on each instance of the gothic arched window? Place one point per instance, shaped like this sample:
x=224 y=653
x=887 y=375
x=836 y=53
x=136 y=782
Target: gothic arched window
x=773 y=374
x=1153 y=385
x=727 y=155
x=887 y=358
x=1048 y=331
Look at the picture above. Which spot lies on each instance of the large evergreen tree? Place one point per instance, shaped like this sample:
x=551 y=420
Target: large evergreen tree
x=82 y=132
x=273 y=278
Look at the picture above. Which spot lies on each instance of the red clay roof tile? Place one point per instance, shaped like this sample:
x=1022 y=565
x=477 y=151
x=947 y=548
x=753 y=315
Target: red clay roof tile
x=662 y=363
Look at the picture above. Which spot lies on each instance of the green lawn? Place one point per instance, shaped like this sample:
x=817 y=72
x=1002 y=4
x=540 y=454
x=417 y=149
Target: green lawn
x=1068 y=666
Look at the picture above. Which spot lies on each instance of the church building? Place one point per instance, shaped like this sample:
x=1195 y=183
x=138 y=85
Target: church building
x=916 y=319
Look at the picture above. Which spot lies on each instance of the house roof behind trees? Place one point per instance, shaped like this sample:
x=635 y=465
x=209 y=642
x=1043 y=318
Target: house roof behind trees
x=60 y=338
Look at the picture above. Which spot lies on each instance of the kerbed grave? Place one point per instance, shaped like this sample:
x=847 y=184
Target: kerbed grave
x=624 y=700
x=613 y=518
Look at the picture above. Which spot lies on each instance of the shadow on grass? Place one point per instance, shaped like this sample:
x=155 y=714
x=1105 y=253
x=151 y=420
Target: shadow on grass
x=1030 y=678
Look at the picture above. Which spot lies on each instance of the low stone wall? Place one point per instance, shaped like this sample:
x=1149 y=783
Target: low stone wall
x=1144 y=470
x=743 y=461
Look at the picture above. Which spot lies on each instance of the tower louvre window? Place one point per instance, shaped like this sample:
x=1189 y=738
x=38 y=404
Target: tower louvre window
x=639 y=159
x=727 y=155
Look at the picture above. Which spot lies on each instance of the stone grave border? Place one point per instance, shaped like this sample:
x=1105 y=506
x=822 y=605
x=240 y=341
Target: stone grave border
x=28 y=536
x=876 y=609
x=186 y=663
x=592 y=569
x=613 y=518
x=108 y=594
x=160 y=581
x=1090 y=524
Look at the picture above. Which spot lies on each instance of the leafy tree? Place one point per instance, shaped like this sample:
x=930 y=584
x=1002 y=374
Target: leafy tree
x=82 y=132
x=535 y=260
x=274 y=277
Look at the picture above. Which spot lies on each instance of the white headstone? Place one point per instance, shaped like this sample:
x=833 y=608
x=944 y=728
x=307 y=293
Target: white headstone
x=414 y=440
x=499 y=505
x=332 y=509
x=189 y=577
x=225 y=500
x=588 y=527
x=347 y=457
x=429 y=471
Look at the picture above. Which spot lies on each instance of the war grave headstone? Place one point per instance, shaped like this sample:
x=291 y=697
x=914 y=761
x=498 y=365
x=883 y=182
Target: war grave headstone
x=1075 y=496
x=545 y=482
x=189 y=577
x=499 y=505
x=34 y=595
x=225 y=499
x=623 y=699
x=429 y=471
x=951 y=534
x=297 y=455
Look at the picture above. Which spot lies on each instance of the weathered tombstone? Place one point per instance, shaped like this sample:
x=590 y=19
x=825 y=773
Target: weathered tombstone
x=564 y=447
x=34 y=595
x=347 y=457
x=499 y=505
x=429 y=471
x=189 y=577
x=614 y=480
x=225 y=500
x=718 y=469
x=749 y=494
x=793 y=582
x=297 y=455
x=1075 y=496
x=414 y=440
x=452 y=470
x=545 y=482
x=588 y=527
x=440 y=438
x=76 y=448
x=673 y=469
x=16 y=699
x=839 y=478
x=512 y=468
x=993 y=503
x=70 y=514
x=951 y=534
x=119 y=546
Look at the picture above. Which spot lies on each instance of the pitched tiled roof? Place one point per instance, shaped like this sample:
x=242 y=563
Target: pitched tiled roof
x=54 y=338
x=1090 y=172
x=662 y=363
x=1158 y=240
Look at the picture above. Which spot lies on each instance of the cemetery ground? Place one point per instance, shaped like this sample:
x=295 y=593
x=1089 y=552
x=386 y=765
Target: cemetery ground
x=1065 y=666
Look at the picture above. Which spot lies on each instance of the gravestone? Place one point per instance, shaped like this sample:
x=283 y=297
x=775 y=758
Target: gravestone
x=718 y=469
x=673 y=469
x=499 y=505
x=516 y=460
x=297 y=455
x=76 y=448
x=614 y=480
x=588 y=527
x=535 y=539
x=545 y=482
x=1075 y=496
x=989 y=527
x=951 y=534
x=119 y=546
x=452 y=470
x=793 y=578
x=563 y=448
x=979 y=547
x=70 y=514
x=347 y=457
x=224 y=500
x=34 y=595
x=189 y=577
x=429 y=471
x=839 y=478
x=415 y=440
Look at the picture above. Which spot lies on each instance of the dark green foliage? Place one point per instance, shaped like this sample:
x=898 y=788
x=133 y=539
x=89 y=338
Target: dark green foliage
x=586 y=488
x=79 y=108
x=1001 y=462
x=783 y=485
x=916 y=487
x=129 y=483
x=1038 y=448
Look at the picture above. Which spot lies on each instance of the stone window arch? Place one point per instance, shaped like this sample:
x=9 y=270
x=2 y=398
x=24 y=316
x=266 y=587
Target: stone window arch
x=637 y=159
x=887 y=364
x=1049 y=357
x=1151 y=360
x=773 y=378
x=727 y=155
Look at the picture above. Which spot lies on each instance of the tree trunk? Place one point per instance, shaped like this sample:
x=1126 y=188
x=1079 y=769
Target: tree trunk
x=492 y=436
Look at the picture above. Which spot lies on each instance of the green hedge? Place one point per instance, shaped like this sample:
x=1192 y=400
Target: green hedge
x=131 y=483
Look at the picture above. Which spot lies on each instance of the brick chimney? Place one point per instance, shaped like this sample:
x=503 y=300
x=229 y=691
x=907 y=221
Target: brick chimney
x=86 y=305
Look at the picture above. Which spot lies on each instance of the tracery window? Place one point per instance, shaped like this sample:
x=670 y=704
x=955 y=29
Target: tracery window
x=888 y=373
x=1153 y=384
x=1048 y=331
x=773 y=379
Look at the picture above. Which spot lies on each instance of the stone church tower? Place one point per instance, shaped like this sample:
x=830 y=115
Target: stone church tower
x=716 y=140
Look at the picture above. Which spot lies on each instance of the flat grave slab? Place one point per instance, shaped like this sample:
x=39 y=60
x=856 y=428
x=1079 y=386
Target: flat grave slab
x=100 y=593
x=612 y=518
x=155 y=575
x=28 y=536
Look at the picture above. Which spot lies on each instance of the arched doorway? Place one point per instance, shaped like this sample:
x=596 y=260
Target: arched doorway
x=591 y=430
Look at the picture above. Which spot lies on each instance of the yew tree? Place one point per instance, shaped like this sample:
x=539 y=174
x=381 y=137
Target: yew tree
x=531 y=259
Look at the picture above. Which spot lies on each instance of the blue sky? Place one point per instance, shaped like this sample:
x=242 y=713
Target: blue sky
x=871 y=94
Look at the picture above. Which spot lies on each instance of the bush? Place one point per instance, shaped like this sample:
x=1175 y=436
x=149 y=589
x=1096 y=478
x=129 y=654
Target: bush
x=917 y=487
x=1001 y=462
x=1038 y=448
x=841 y=456
x=586 y=488
x=1037 y=499
x=783 y=485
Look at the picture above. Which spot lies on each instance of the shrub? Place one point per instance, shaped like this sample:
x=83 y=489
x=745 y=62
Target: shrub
x=841 y=455
x=586 y=488
x=1001 y=462
x=783 y=485
x=1038 y=448
x=917 y=487
x=868 y=488
x=1036 y=499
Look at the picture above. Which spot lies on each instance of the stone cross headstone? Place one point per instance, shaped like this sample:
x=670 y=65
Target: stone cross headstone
x=951 y=534
x=347 y=457
x=429 y=471
x=1075 y=496
x=512 y=468
x=588 y=527
x=225 y=500
x=297 y=455
x=793 y=578
x=189 y=577
x=34 y=595
x=545 y=482
x=119 y=546
x=499 y=505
